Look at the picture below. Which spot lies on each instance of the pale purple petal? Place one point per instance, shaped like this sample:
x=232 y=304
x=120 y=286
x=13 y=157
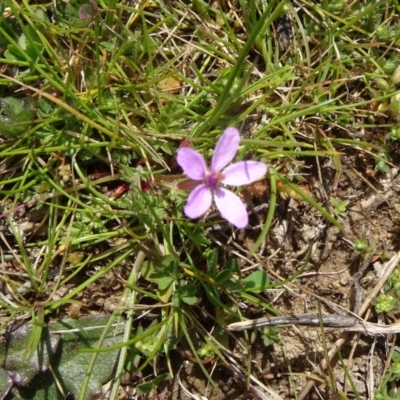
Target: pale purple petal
x=243 y=173
x=226 y=149
x=199 y=201
x=192 y=163
x=231 y=207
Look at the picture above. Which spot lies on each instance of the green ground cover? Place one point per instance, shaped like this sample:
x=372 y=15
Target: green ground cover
x=96 y=100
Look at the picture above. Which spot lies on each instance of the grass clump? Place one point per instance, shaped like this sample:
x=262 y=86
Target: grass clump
x=96 y=99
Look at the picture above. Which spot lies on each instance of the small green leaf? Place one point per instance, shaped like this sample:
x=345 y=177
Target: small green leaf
x=11 y=55
x=149 y=343
x=213 y=295
x=18 y=116
x=187 y=290
x=234 y=267
x=223 y=276
x=187 y=294
x=257 y=281
x=212 y=260
x=271 y=336
x=165 y=294
x=167 y=261
x=11 y=106
x=107 y=46
x=189 y=300
x=233 y=286
x=18 y=125
x=146 y=387
x=340 y=206
x=44 y=106
x=176 y=300
x=162 y=281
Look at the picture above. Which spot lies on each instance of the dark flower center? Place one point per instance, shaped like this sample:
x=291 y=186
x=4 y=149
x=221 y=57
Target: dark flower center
x=213 y=179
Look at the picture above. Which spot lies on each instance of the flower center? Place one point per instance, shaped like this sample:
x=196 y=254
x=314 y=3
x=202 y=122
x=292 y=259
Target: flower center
x=213 y=179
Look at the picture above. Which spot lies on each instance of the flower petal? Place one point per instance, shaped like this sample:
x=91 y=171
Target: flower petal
x=192 y=163
x=199 y=201
x=225 y=149
x=231 y=207
x=243 y=173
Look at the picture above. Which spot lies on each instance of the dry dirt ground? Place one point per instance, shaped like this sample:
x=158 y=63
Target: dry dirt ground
x=337 y=279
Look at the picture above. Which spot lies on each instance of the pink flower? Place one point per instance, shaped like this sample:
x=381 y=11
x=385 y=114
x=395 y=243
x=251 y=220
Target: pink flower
x=207 y=183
